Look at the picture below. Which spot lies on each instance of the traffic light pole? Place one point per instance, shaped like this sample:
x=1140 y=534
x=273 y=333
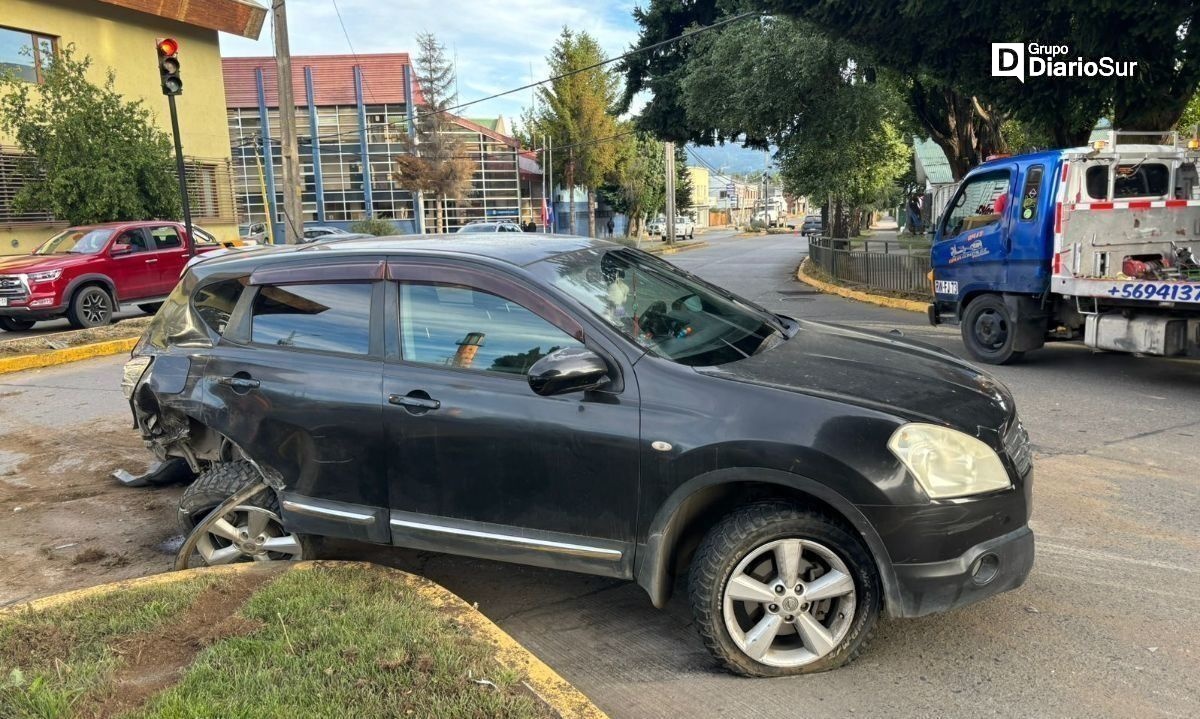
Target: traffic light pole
x=181 y=171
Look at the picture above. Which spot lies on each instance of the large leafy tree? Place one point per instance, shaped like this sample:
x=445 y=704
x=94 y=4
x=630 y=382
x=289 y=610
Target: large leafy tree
x=92 y=156
x=575 y=111
x=839 y=130
x=436 y=160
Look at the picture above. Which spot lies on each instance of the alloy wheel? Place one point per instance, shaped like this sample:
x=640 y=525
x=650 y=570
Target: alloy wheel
x=95 y=308
x=789 y=603
x=248 y=533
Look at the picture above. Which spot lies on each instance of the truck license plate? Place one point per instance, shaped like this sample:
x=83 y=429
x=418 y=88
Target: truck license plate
x=945 y=287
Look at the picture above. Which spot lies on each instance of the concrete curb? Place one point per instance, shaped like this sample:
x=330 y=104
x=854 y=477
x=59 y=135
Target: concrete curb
x=67 y=354
x=894 y=303
x=677 y=249
x=556 y=692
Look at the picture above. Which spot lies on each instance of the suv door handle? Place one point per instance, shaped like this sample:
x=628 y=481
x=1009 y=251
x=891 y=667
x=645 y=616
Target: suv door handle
x=415 y=401
x=242 y=383
x=151 y=261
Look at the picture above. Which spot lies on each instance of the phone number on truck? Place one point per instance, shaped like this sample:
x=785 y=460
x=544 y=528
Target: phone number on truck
x=1167 y=292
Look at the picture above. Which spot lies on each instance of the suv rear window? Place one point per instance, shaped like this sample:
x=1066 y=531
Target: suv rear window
x=326 y=317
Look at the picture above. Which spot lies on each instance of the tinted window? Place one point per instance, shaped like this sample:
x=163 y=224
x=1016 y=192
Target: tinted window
x=470 y=329
x=1030 y=193
x=214 y=303
x=333 y=318
x=975 y=205
x=136 y=240
x=478 y=228
x=166 y=238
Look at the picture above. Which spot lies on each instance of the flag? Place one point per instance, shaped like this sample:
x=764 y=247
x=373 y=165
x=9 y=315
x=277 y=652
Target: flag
x=545 y=213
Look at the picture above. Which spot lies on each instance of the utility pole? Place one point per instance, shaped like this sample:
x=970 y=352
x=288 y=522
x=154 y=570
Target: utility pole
x=293 y=209
x=669 y=149
x=550 y=164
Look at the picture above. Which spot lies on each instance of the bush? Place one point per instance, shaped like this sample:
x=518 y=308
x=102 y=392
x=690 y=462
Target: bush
x=374 y=226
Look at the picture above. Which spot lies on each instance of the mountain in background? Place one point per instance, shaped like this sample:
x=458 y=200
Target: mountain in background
x=732 y=158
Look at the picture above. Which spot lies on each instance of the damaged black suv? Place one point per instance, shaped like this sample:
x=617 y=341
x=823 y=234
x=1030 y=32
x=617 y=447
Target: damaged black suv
x=584 y=406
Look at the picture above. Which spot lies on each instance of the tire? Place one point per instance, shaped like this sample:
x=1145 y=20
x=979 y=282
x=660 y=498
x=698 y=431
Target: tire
x=15 y=324
x=745 y=542
x=150 y=308
x=216 y=484
x=988 y=330
x=91 y=306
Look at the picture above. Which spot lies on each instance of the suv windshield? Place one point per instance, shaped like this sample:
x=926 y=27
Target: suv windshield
x=78 y=242
x=669 y=312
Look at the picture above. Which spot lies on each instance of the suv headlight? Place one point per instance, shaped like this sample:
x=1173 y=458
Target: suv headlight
x=132 y=373
x=47 y=276
x=946 y=462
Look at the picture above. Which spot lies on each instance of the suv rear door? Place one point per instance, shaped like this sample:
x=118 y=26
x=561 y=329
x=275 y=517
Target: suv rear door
x=478 y=463
x=295 y=382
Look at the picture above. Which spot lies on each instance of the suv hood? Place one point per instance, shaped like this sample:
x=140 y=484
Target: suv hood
x=38 y=263
x=884 y=372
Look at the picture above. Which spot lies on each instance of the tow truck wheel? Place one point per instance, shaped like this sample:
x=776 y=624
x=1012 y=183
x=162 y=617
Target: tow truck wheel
x=15 y=324
x=988 y=330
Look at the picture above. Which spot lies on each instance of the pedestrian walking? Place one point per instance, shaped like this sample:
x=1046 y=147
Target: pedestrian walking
x=610 y=226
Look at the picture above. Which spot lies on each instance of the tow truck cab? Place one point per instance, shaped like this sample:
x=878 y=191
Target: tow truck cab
x=1092 y=243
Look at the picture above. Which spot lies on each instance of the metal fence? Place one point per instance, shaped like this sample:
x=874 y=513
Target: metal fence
x=896 y=271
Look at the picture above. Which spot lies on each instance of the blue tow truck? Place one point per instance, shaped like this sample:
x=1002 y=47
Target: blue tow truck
x=1091 y=243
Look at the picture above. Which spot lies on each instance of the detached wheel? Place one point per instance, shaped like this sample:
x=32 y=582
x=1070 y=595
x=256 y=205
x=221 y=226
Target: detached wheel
x=15 y=324
x=249 y=532
x=780 y=591
x=988 y=330
x=90 y=307
x=150 y=308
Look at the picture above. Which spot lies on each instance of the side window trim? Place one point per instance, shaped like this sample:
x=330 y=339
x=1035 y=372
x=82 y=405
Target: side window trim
x=238 y=329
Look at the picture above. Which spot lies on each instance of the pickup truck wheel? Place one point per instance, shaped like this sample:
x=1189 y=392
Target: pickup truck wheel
x=150 y=308
x=988 y=331
x=15 y=324
x=250 y=532
x=778 y=591
x=90 y=307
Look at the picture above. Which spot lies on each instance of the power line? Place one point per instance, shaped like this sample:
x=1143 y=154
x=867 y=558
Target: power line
x=358 y=62
x=631 y=53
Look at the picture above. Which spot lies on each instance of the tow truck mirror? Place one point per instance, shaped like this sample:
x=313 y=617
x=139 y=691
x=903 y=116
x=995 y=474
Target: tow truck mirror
x=120 y=248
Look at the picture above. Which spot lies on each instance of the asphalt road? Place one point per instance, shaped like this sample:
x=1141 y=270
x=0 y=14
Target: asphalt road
x=1107 y=624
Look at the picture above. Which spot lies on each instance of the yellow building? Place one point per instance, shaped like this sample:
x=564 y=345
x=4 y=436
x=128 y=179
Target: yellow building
x=700 y=201
x=121 y=35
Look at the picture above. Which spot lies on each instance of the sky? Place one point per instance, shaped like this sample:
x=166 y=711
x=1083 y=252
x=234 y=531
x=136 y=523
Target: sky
x=499 y=45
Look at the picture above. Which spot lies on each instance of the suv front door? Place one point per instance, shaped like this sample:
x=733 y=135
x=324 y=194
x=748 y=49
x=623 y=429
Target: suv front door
x=478 y=463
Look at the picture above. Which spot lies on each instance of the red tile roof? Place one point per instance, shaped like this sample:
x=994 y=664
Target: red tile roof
x=333 y=79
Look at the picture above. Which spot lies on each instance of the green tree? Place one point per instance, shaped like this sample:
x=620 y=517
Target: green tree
x=638 y=186
x=840 y=133
x=576 y=113
x=435 y=161
x=91 y=155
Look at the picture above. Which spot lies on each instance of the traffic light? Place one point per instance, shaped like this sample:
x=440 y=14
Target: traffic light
x=168 y=66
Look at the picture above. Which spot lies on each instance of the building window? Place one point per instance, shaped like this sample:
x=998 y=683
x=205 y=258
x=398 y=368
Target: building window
x=12 y=179
x=210 y=189
x=26 y=54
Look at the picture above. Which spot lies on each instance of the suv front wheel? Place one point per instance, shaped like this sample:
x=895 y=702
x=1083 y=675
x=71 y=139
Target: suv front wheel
x=91 y=307
x=777 y=591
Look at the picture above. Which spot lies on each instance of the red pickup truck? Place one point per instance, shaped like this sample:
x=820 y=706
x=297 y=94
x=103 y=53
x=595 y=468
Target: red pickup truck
x=87 y=273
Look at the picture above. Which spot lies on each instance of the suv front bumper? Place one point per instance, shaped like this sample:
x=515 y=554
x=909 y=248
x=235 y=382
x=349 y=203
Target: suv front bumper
x=982 y=571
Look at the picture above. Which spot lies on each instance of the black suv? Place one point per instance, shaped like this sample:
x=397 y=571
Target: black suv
x=581 y=405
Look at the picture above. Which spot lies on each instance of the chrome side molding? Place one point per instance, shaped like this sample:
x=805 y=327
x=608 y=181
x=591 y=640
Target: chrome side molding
x=541 y=545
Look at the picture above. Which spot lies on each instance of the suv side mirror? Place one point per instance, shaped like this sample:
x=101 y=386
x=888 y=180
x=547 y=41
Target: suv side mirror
x=120 y=248
x=572 y=369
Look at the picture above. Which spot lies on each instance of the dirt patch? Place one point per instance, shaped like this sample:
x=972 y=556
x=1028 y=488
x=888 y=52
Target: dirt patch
x=153 y=661
x=59 y=340
x=65 y=523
